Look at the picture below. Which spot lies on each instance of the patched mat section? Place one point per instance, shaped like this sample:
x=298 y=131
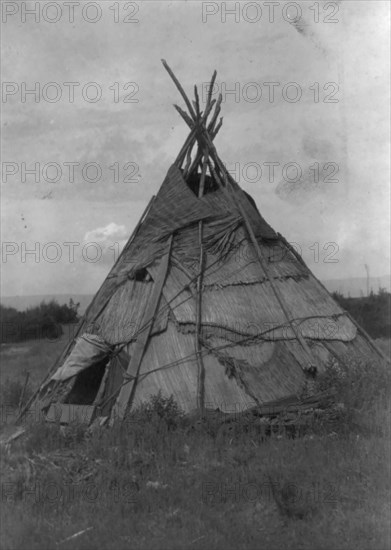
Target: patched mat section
x=268 y=371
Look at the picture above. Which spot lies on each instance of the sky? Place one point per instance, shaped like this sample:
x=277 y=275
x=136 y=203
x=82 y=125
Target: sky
x=305 y=95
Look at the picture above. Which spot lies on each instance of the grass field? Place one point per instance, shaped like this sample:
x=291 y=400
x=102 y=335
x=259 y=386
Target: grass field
x=158 y=482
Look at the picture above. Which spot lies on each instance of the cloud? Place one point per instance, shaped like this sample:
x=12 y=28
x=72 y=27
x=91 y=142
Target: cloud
x=107 y=236
x=105 y=243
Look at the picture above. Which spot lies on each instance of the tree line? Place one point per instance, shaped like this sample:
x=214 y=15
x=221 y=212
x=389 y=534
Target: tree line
x=373 y=312
x=39 y=322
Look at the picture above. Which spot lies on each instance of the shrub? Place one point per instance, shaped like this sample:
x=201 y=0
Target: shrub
x=159 y=410
x=36 y=323
x=362 y=392
x=372 y=312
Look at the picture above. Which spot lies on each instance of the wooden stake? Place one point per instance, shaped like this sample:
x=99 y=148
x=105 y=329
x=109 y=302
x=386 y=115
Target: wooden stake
x=23 y=390
x=207 y=111
x=198 y=345
x=197 y=101
x=185 y=116
x=180 y=89
x=182 y=153
x=210 y=91
x=216 y=113
x=188 y=159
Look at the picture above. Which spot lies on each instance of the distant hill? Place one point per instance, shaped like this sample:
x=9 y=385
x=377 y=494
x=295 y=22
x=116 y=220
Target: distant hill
x=354 y=287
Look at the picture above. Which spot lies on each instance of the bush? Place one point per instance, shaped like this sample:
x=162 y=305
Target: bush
x=372 y=312
x=362 y=392
x=159 y=410
x=43 y=321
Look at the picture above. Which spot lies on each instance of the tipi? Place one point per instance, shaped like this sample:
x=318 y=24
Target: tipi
x=206 y=303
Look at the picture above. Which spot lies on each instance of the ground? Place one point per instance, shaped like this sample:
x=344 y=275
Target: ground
x=157 y=483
